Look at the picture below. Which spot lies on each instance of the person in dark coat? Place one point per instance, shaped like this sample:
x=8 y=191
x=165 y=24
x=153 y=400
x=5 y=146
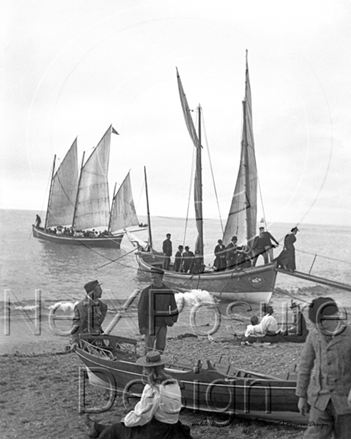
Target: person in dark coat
x=198 y=265
x=37 y=221
x=167 y=251
x=263 y=245
x=286 y=258
x=188 y=259
x=178 y=260
x=157 y=310
x=156 y=415
x=232 y=252
x=89 y=314
x=220 y=254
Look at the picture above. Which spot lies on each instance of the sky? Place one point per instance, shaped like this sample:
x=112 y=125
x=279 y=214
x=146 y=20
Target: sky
x=72 y=67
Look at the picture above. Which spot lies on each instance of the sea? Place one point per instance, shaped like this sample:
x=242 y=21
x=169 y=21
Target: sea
x=60 y=271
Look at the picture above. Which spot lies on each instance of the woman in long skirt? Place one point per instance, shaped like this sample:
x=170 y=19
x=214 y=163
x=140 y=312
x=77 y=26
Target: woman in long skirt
x=286 y=258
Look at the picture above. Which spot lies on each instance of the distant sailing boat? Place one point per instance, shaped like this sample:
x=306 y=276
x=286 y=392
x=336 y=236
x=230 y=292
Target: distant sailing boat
x=77 y=205
x=251 y=284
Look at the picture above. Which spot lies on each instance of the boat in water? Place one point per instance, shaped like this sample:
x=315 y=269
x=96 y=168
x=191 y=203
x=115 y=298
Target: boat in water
x=242 y=282
x=79 y=210
x=111 y=363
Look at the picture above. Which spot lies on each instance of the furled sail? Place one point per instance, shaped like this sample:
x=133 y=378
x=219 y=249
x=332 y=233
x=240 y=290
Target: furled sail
x=93 y=204
x=63 y=190
x=242 y=216
x=123 y=212
x=198 y=171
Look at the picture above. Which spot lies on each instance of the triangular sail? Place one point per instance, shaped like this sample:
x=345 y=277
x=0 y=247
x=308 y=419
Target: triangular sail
x=198 y=176
x=242 y=216
x=63 y=191
x=123 y=210
x=93 y=204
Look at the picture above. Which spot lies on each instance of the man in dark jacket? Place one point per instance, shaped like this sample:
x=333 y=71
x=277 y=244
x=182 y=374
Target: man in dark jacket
x=157 y=310
x=167 y=251
x=89 y=313
x=263 y=245
x=178 y=259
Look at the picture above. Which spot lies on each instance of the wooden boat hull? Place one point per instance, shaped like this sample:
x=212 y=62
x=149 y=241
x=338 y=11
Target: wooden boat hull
x=103 y=242
x=203 y=389
x=253 y=285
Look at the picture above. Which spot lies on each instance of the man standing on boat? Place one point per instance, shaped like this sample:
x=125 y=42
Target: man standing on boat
x=232 y=252
x=178 y=260
x=327 y=352
x=263 y=245
x=220 y=252
x=188 y=260
x=167 y=251
x=157 y=310
x=89 y=314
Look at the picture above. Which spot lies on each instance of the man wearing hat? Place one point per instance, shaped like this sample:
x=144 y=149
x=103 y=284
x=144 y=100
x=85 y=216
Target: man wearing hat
x=263 y=245
x=232 y=253
x=327 y=352
x=157 y=310
x=188 y=259
x=167 y=251
x=89 y=313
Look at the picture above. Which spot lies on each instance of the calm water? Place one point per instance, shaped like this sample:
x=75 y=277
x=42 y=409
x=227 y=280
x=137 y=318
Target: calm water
x=61 y=271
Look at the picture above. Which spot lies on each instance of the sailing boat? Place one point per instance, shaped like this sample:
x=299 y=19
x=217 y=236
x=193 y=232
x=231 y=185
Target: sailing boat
x=78 y=205
x=252 y=284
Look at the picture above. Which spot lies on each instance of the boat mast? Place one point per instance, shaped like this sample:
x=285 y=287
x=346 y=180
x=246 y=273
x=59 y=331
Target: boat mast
x=50 y=193
x=248 y=211
x=75 y=205
x=112 y=206
x=148 y=210
x=198 y=189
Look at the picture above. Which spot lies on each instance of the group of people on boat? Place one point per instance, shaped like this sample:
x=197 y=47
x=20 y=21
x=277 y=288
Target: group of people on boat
x=185 y=261
x=233 y=256
x=70 y=232
x=326 y=355
x=240 y=257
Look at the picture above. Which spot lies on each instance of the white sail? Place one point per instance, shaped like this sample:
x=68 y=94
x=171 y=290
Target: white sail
x=93 y=204
x=63 y=190
x=123 y=212
x=242 y=218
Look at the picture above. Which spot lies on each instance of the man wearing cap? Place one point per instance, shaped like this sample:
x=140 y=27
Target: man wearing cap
x=188 y=259
x=157 y=310
x=89 y=313
x=178 y=259
x=167 y=251
x=263 y=245
x=327 y=352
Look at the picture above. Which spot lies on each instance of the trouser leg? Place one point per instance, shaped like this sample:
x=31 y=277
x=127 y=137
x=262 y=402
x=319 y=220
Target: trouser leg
x=320 y=424
x=156 y=340
x=269 y=254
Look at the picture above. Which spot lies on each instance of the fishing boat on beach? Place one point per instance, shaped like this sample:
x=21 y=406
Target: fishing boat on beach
x=111 y=363
x=250 y=284
x=79 y=210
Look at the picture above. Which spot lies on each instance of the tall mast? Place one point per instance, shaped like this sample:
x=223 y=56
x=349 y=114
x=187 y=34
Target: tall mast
x=75 y=205
x=50 y=193
x=112 y=206
x=148 y=211
x=198 y=185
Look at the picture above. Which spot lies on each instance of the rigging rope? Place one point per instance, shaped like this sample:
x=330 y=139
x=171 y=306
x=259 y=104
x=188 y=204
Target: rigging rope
x=213 y=179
